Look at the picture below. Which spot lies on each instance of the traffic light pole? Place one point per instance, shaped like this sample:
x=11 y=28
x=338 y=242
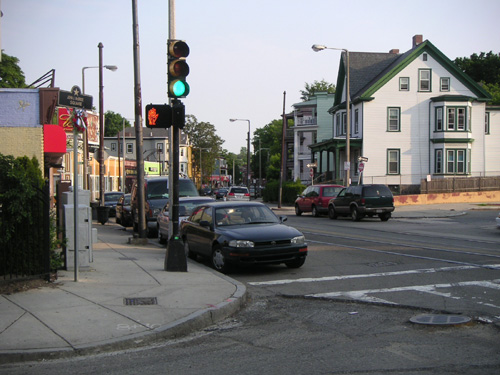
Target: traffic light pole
x=175 y=257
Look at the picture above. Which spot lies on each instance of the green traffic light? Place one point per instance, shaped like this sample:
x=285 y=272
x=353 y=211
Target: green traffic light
x=180 y=88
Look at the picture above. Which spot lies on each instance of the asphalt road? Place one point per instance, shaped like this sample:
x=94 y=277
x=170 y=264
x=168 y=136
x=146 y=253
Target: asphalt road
x=347 y=310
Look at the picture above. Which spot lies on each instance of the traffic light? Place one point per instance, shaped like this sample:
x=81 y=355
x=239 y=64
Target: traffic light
x=178 y=69
x=158 y=116
x=178 y=114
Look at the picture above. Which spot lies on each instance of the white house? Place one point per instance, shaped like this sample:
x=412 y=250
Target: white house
x=414 y=116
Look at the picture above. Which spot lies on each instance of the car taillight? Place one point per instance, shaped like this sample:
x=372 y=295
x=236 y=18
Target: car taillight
x=232 y=194
x=247 y=194
x=363 y=201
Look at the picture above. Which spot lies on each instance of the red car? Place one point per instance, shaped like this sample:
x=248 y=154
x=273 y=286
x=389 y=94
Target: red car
x=315 y=199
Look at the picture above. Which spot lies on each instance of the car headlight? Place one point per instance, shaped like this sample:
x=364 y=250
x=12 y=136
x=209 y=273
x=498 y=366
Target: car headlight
x=241 y=243
x=299 y=240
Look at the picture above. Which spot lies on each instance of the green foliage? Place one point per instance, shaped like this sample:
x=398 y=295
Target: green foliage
x=316 y=86
x=290 y=190
x=494 y=90
x=113 y=124
x=484 y=67
x=10 y=73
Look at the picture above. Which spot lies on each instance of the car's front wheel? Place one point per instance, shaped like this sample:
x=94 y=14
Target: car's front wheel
x=314 y=211
x=161 y=239
x=219 y=260
x=298 y=212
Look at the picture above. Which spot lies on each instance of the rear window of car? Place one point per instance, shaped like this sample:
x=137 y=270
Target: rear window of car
x=242 y=190
x=112 y=197
x=376 y=191
x=159 y=189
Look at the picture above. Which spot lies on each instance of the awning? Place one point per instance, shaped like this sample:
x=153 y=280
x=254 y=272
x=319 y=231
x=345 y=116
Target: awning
x=54 y=145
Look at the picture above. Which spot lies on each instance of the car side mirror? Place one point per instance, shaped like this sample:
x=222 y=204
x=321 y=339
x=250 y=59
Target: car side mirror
x=283 y=219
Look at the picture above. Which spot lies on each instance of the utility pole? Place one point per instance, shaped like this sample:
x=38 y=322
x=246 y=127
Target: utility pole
x=138 y=125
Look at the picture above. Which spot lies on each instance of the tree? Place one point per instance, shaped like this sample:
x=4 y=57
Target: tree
x=11 y=75
x=113 y=123
x=205 y=142
x=485 y=69
x=317 y=86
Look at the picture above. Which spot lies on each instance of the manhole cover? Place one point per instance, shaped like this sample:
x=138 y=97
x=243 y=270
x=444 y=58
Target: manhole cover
x=440 y=319
x=140 y=301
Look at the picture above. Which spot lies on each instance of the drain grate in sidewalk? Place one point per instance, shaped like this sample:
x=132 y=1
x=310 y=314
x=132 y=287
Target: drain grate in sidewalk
x=138 y=301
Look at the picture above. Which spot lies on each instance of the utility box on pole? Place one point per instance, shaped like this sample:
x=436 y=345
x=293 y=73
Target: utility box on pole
x=86 y=235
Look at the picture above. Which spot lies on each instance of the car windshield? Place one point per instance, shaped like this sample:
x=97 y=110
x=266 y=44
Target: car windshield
x=159 y=189
x=238 y=215
x=126 y=200
x=187 y=208
x=112 y=197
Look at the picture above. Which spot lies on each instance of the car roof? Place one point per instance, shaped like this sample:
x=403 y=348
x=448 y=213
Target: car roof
x=208 y=199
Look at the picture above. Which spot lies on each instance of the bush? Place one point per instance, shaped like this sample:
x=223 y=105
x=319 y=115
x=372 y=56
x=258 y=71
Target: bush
x=290 y=190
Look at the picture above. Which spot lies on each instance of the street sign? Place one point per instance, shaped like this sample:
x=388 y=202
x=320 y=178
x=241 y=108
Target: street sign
x=74 y=99
x=361 y=166
x=311 y=172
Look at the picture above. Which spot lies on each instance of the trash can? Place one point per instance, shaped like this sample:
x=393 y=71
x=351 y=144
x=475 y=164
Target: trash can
x=93 y=206
x=102 y=214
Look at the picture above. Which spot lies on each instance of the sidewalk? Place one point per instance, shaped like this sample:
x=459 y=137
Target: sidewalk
x=92 y=315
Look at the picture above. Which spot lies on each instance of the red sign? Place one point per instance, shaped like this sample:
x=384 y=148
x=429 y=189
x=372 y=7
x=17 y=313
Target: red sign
x=361 y=166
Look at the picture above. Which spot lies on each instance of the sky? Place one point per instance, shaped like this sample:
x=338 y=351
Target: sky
x=244 y=54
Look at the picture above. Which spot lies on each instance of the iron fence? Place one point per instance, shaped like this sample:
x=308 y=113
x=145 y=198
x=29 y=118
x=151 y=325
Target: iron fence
x=25 y=242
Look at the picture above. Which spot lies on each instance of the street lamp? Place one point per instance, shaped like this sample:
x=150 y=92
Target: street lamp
x=248 y=149
x=109 y=67
x=317 y=48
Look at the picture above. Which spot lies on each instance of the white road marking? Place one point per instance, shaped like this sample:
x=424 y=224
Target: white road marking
x=361 y=276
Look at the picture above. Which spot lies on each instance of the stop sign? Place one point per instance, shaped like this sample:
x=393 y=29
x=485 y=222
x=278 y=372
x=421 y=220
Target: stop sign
x=311 y=172
x=361 y=166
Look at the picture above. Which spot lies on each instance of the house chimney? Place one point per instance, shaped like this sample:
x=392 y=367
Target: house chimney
x=417 y=39
x=394 y=51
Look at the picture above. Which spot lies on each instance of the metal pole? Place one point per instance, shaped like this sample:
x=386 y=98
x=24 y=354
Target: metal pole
x=123 y=154
x=282 y=152
x=101 y=130
x=248 y=157
x=138 y=124
x=348 y=130
x=75 y=198
x=260 y=165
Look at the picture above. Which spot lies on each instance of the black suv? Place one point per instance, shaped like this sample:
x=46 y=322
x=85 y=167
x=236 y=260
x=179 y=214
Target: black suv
x=362 y=200
x=156 y=192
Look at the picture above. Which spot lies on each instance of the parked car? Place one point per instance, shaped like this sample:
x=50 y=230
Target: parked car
x=220 y=193
x=186 y=207
x=123 y=211
x=156 y=192
x=315 y=199
x=110 y=200
x=242 y=233
x=362 y=200
x=498 y=221
x=238 y=193
x=206 y=190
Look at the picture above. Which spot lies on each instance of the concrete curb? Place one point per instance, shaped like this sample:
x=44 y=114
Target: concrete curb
x=193 y=322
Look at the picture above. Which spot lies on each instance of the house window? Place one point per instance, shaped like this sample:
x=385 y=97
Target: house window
x=456 y=118
x=393 y=119
x=439 y=119
x=445 y=84
x=438 y=168
x=393 y=161
x=424 y=80
x=404 y=84
x=130 y=148
x=456 y=161
x=113 y=146
x=344 y=123
x=182 y=151
x=487 y=123
x=424 y=57
x=356 y=121
x=337 y=125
